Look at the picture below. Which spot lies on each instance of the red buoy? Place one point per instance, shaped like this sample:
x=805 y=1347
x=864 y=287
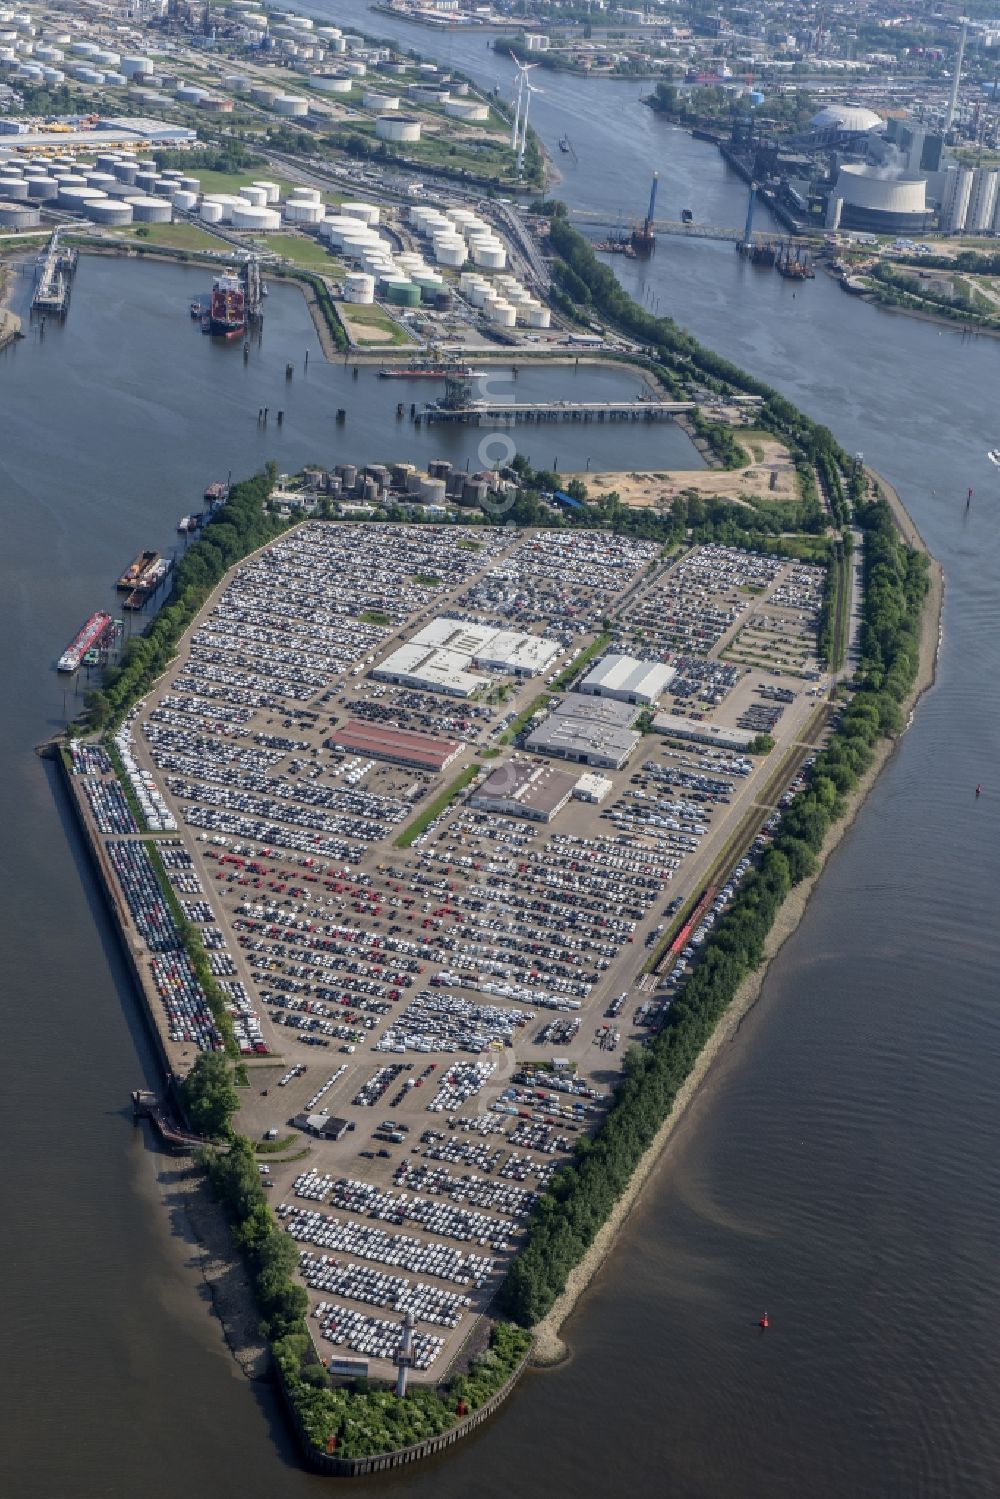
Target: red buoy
x=764 y=1323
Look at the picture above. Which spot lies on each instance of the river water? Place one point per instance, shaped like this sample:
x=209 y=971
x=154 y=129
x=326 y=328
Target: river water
x=842 y=1165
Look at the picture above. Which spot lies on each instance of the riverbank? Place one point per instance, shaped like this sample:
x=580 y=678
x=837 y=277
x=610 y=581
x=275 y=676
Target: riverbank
x=10 y=323
x=550 y=1348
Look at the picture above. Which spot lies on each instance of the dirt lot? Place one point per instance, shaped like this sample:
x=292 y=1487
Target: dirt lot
x=656 y=488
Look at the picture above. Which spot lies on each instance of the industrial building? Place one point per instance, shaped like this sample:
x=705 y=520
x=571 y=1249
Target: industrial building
x=591 y=787
x=588 y=731
x=866 y=199
x=488 y=648
x=440 y=657
x=525 y=788
x=399 y=746
x=423 y=666
x=700 y=732
x=628 y=680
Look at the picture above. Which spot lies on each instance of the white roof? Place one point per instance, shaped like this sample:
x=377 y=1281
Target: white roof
x=627 y=675
x=851 y=118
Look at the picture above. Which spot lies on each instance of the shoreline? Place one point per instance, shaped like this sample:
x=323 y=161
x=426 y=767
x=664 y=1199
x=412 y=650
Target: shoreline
x=550 y=1348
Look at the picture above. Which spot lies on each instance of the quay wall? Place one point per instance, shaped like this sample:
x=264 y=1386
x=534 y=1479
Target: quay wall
x=332 y=1466
x=120 y=917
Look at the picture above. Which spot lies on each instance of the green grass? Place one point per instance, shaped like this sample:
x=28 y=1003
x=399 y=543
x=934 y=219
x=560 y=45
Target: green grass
x=426 y=580
x=272 y=1147
x=356 y=317
x=468 y=545
x=375 y=617
x=585 y=657
x=523 y=719
x=231 y=182
x=174 y=237
x=421 y=823
x=303 y=252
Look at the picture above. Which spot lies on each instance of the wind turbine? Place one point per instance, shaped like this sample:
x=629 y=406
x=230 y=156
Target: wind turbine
x=529 y=90
x=523 y=69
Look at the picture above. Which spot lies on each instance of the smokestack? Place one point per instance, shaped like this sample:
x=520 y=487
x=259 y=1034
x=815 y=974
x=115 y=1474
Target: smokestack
x=953 y=101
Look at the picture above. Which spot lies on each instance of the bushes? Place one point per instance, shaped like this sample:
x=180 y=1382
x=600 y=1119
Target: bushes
x=209 y=1097
x=581 y=1196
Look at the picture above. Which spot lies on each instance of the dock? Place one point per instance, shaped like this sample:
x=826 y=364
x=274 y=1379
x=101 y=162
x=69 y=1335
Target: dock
x=508 y=413
x=54 y=270
x=147 y=1105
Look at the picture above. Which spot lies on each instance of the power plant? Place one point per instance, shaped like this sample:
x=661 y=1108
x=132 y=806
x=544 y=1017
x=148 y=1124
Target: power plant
x=867 y=199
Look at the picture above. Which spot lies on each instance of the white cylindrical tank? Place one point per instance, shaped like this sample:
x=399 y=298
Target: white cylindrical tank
x=126 y=171
x=359 y=286
x=305 y=195
x=397 y=128
x=467 y=110
x=187 y=93
x=272 y=190
x=101 y=180
x=190 y=184
x=450 y=252
x=255 y=196
x=291 y=105
x=490 y=257
x=356 y=69
x=263 y=94
x=331 y=83
x=379 y=103
x=211 y=212
x=42 y=188
x=184 y=201
x=265 y=220
x=296 y=212
x=151 y=210
x=538 y=317
x=368 y=213
x=132 y=66
x=14 y=189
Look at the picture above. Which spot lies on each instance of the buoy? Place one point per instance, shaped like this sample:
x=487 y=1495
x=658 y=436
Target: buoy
x=764 y=1323
x=979 y=790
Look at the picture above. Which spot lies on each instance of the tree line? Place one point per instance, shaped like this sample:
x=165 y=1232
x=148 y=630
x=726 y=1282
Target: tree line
x=581 y=1196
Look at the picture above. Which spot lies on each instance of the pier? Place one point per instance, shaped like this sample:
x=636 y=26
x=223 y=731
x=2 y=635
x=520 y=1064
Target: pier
x=53 y=277
x=508 y=413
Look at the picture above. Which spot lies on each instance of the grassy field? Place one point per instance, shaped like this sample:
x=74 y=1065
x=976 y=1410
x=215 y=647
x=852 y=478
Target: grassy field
x=305 y=253
x=369 y=324
x=176 y=236
x=231 y=182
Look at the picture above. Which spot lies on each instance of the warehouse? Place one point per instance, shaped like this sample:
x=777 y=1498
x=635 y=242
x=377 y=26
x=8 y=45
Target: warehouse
x=415 y=665
x=628 y=680
x=703 y=733
x=525 y=788
x=487 y=647
x=587 y=731
x=399 y=746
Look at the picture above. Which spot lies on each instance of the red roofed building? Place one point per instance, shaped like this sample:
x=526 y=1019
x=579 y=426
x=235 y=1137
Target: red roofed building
x=401 y=746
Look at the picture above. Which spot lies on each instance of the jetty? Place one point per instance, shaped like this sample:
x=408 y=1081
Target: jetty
x=507 y=413
x=53 y=277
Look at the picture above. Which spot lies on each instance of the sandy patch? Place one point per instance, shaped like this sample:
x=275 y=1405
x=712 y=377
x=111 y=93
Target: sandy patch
x=656 y=488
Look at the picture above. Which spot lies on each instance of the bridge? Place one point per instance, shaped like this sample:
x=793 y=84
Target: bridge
x=585 y=217
x=508 y=413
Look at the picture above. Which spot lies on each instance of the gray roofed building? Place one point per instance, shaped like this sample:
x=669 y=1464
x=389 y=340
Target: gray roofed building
x=628 y=679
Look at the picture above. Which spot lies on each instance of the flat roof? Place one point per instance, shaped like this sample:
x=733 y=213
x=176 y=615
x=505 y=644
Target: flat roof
x=607 y=711
x=703 y=730
x=533 y=785
x=626 y=674
x=578 y=736
x=435 y=668
x=390 y=742
x=486 y=645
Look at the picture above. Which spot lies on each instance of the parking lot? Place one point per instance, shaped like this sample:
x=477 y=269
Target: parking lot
x=430 y=1029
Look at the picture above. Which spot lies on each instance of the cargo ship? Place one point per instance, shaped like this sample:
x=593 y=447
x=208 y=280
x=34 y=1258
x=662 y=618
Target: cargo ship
x=426 y=370
x=227 y=315
x=91 y=634
x=135 y=570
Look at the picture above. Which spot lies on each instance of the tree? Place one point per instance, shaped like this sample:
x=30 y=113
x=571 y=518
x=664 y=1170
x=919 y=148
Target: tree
x=209 y=1096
